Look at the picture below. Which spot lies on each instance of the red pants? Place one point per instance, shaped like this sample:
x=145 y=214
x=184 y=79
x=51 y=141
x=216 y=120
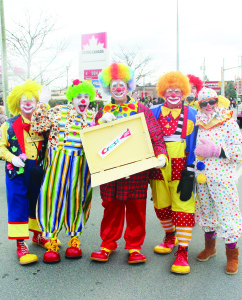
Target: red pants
x=113 y=222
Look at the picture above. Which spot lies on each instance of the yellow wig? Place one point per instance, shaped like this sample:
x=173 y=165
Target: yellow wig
x=176 y=80
x=30 y=89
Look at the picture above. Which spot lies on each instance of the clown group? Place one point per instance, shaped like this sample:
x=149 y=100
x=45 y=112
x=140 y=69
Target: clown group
x=48 y=181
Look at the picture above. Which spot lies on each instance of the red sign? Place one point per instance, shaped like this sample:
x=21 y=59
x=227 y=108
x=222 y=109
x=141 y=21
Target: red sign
x=94 y=40
x=91 y=74
x=213 y=85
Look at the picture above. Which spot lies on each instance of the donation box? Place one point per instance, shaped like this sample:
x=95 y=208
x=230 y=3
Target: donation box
x=118 y=149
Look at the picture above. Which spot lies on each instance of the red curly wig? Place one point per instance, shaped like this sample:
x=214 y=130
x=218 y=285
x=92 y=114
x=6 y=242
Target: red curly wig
x=196 y=81
x=173 y=79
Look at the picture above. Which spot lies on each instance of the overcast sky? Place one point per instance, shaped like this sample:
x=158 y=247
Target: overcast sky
x=210 y=29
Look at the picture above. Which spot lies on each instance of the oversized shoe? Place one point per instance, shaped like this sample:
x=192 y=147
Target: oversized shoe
x=170 y=241
x=43 y=242
x=209 y=250
x=52 y=256
x=232 y=261
x=181 y=265
x=101 y=255
x=73 y=251
x=136 y=257
x=23 y=254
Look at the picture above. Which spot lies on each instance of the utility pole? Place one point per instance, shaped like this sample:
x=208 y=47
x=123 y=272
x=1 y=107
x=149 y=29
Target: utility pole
x=177 y=35
x=222 y=77
x=4 y=70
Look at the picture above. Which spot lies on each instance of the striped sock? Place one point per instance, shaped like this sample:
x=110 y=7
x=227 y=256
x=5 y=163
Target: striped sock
x=168 y=225
x=184 y=235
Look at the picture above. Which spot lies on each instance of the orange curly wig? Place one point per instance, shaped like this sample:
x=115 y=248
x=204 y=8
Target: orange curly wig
x=173 y=79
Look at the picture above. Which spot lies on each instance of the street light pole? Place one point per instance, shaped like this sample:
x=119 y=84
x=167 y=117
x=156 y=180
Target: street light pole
x=67 y=82
x=177 y=34
x=4 y=60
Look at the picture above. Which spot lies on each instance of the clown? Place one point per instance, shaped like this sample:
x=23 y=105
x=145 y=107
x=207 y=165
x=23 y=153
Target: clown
x=23 y=151
x=218 y=150
x=172 y=187
x=126 y=196
x=196 y=85
x=66 y=193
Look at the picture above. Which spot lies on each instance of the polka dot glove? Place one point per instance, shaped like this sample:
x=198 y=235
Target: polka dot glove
x=207 y=149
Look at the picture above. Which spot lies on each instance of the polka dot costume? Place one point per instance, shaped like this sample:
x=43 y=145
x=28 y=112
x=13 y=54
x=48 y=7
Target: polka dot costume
x=217 y=201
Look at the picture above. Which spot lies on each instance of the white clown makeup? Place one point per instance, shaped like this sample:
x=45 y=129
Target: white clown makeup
x=27 y=106
x=193 y=89
x=81 y=103
x=118 y=90
x=173 y=97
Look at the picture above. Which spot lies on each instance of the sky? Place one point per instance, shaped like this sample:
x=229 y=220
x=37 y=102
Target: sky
x=210 y=31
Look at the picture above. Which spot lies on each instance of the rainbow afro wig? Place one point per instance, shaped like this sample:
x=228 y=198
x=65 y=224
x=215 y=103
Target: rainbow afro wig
x=78 y=87
x=196 y=81
x=173 y=79
x=117 y=71
x=29 y=89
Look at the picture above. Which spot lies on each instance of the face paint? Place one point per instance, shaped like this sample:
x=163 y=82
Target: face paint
x=173 y=97
x=81 y=103
x=118 y=90
x=193 y=89
x=27 y=106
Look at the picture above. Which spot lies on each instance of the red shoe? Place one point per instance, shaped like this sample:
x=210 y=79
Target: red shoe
x=43 y=242
x=170 y=241
x=74 y=251
x=101 y=255
x=52 y=256
x=181 y=265
x=136 y=257
x=23 y=254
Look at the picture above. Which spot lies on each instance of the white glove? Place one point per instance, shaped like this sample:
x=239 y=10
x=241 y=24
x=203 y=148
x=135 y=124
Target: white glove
x=107 y=117
x=44 y=95
x=162 y=160
x=17 y=162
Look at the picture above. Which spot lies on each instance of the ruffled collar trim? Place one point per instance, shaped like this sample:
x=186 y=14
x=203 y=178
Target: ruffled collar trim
x=219 y=116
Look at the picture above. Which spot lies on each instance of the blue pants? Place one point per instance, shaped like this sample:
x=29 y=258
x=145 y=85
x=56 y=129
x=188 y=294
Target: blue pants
x=22 y=195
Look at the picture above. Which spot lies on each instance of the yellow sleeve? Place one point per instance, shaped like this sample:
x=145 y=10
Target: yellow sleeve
x=5 y=154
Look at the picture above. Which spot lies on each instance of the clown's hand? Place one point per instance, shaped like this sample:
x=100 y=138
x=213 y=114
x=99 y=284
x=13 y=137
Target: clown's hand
x=207 y=149
x=17 y=162
x=162 y=160
x=44 y=95
x=107 y=117
x=186 y=183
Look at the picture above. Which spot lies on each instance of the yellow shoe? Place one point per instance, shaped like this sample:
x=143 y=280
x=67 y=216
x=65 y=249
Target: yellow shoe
x=42 y=241
x=167 y=246
x=181 y=265
x=23 y=253
x=28 y=259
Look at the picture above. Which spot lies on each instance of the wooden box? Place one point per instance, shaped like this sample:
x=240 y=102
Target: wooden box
x=109 y=158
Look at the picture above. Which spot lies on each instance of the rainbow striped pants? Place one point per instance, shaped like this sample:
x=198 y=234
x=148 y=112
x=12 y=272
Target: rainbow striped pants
x=65 y=194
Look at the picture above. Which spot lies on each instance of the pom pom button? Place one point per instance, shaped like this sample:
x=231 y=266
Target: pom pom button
x=200 y=166
x=201 y=178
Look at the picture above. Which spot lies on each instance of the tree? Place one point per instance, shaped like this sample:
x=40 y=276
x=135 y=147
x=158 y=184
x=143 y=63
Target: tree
x=136 y=59
x=230 y=91
x=30 y=43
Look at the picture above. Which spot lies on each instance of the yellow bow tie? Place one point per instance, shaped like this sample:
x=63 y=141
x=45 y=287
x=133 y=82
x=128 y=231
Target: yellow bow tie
x=175 y=112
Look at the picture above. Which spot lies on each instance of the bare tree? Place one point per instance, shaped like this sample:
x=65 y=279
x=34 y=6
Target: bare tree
x=136 y=59
x=30 y=43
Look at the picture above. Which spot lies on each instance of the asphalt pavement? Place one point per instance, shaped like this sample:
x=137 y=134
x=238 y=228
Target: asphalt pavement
x=115 y=279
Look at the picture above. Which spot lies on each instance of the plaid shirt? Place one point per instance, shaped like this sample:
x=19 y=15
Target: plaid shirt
x=136 y=186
